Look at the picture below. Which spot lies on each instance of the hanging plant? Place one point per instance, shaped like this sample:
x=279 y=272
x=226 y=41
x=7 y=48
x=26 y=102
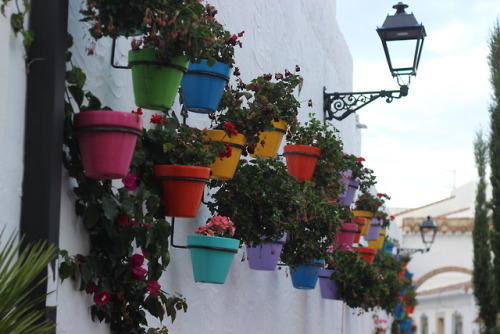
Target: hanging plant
x=126 y=227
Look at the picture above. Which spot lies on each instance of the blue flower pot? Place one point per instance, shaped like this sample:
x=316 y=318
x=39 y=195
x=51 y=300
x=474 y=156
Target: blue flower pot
x=405 y=325
x=211 y=257
x=202 y=86
x=389 y=246
x=399 y=311
x=306 y=276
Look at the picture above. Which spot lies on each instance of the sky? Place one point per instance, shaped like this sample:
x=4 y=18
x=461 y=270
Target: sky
x=421 y=146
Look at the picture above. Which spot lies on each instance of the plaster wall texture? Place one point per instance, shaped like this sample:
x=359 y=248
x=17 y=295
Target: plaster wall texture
x=279 y=35
x=12 y=106
x=445 y=305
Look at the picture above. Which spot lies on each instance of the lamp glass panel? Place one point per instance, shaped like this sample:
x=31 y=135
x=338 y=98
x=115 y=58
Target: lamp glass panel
x=402 y=53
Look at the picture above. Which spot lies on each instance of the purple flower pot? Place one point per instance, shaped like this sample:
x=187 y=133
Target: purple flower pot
x=374 y=231
x=348 y=197
x=327 y=285
x=266 y=255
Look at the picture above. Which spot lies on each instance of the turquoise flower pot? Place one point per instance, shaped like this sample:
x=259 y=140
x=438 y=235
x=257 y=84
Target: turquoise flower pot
x=306 y=276
x=202 y=86
x=211 y=257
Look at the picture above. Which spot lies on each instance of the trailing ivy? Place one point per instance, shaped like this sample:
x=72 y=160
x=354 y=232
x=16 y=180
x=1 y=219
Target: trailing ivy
x=128 y=233
x=17 y=21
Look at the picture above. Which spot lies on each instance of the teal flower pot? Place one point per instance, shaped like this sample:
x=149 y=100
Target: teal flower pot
x=211 y=257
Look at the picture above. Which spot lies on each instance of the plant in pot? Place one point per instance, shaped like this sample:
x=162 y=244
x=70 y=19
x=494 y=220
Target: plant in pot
x=262 y=200
x=354 y=176
x=388 y=268
x=212 y=250
x=180 y=156
x=358 y=283
x=411 y=300
x=276 y=101
x=366 y=205
x=171 y=38
x=204 y=82
x=309 y=237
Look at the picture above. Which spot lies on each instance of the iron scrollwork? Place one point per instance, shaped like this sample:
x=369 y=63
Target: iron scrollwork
x=340 y=105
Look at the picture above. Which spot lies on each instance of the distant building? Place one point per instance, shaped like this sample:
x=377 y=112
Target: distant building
x=443 y=275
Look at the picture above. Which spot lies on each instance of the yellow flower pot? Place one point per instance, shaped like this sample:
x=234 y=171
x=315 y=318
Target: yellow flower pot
x=224 y=168
x=364 y=214
x=379 y=243
x=272 y=141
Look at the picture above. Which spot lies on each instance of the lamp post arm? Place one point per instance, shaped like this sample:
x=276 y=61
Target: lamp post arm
x=340 y=105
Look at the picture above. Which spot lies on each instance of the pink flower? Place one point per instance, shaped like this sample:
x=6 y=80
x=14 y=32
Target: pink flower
x=102 y=298
x=144 y=252
x=329 y=249
x=91 y=288
x=139 y=273
x=136 y=260
x=130 y=181
x=153 y=287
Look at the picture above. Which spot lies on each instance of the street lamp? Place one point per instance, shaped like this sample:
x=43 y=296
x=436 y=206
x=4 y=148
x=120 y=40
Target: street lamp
x=397 y=31
x=428 y=230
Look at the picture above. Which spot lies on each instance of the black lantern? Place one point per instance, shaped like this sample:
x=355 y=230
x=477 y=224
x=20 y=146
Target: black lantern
x=402 y=28
x=428 y=230
x=398 y=34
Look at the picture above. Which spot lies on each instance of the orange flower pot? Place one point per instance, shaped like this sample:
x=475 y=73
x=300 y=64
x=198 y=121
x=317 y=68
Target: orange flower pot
x=224 y=168
x=182 y=188
x=301 y=160
x=272 y=141
x=367 y=253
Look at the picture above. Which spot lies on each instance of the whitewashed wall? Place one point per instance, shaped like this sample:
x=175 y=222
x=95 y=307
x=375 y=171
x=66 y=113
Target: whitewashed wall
x=279 y=35
x=12 y=106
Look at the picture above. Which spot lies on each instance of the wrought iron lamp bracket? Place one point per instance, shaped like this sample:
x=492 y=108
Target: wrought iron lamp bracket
x=340 y=105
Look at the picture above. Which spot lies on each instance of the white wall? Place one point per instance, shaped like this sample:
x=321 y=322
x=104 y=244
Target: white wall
x=279 y=35
x=12 y=117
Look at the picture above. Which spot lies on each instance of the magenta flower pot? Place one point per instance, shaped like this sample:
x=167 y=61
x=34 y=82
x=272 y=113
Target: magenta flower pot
x=374 y=231
x=346 y=234
x=107 y=142
x=266 y=255
x=328 y=285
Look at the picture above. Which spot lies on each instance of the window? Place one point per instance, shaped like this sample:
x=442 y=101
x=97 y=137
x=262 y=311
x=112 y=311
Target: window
x=457 y=323
x=424 y=324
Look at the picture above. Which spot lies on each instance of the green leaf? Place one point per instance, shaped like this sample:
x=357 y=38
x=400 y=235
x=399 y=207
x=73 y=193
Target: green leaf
x=110 y=207
x=91 y=217
x=65 y=270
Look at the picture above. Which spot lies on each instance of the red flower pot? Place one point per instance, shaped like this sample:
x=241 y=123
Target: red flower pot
x=367 y=253
x=301 y=160
x=182 y=188
x=107 y=142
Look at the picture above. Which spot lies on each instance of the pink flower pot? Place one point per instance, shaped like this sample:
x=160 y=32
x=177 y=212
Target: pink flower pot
x=346 y=234
x=107 y=142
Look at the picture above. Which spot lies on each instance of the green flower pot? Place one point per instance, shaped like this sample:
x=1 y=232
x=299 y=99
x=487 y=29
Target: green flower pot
x=211 y=257
x=155 y=83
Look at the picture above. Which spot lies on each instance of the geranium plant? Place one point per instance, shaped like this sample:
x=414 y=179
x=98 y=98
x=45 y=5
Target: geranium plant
x=369 y=202
x=218 y=226
x=363 y=175
x=262 y=199
x=313 y=232
x=170 y=143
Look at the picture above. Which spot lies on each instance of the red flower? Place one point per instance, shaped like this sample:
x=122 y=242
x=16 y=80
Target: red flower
x=380 y=195
x=91 y=288
x=278 y=76
x=230 y=128
x=287 y=73
x=138 y=112
x=80 y=257
x=136 y=260
x=360 y=159
x=144 y=252
x=297 y=68
x=156 y=119
x=268 y=77
x=123 y=220
x=228 y=153
x=153 y=287
x=392 y=217
x=102 y=298
x=130 y=181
